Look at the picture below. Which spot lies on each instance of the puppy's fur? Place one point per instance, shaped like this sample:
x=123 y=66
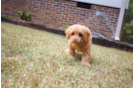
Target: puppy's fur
x=80 y=39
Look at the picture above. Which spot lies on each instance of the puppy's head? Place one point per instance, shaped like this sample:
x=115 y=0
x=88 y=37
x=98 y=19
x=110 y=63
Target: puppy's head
x=78 y=33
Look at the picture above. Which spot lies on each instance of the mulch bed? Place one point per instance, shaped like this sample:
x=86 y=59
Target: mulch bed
x=98 y=41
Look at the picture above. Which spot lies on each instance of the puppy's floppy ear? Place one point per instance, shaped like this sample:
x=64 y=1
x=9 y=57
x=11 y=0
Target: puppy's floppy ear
x=87 y=35
x=67 y=33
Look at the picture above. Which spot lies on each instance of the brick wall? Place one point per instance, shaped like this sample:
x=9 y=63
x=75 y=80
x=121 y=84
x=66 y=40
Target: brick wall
x=58 y=13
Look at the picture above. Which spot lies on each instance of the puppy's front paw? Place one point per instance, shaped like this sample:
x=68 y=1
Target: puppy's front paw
x=85 y=63
x=67 y=50
x=73 y=57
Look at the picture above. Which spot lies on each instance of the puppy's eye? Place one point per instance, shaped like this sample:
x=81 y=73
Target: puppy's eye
x=72 y=33
x=80 y=35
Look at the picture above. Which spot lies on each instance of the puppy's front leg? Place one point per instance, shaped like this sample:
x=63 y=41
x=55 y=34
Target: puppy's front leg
x=85 y=59
x=71 y=51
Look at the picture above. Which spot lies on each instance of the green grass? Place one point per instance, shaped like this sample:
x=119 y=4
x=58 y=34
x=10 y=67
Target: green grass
x=31 y=58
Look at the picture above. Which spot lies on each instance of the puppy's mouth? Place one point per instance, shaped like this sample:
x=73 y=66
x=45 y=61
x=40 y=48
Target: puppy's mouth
x=79 y=43
x=75 y=41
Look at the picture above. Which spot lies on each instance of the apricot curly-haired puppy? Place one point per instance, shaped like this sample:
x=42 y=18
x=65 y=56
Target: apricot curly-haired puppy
x=80 y=39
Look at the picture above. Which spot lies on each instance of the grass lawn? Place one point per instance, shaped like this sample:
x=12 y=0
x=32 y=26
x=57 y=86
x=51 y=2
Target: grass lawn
x=32 y=58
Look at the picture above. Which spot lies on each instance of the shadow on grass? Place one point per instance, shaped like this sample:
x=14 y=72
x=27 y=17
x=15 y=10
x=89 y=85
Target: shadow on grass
x=79 y=58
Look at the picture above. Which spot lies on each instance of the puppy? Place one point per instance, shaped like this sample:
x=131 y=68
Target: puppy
x=80 y=39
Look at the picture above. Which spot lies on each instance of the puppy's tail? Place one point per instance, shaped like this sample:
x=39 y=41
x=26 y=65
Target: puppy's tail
x=67 y=50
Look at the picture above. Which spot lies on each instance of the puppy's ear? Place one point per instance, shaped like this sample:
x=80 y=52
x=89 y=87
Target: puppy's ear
x=67 y=33
x=87 y=35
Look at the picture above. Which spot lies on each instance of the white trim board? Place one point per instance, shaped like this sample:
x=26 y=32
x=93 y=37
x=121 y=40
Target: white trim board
x=120 y=20
x=109 y=3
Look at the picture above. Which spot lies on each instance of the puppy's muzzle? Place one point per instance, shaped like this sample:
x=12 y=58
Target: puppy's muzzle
x=74 y=41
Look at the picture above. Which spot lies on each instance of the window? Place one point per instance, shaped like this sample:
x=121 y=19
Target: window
x=83 y=5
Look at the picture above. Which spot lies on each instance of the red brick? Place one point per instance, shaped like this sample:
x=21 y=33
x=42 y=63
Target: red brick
x=53 y=14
